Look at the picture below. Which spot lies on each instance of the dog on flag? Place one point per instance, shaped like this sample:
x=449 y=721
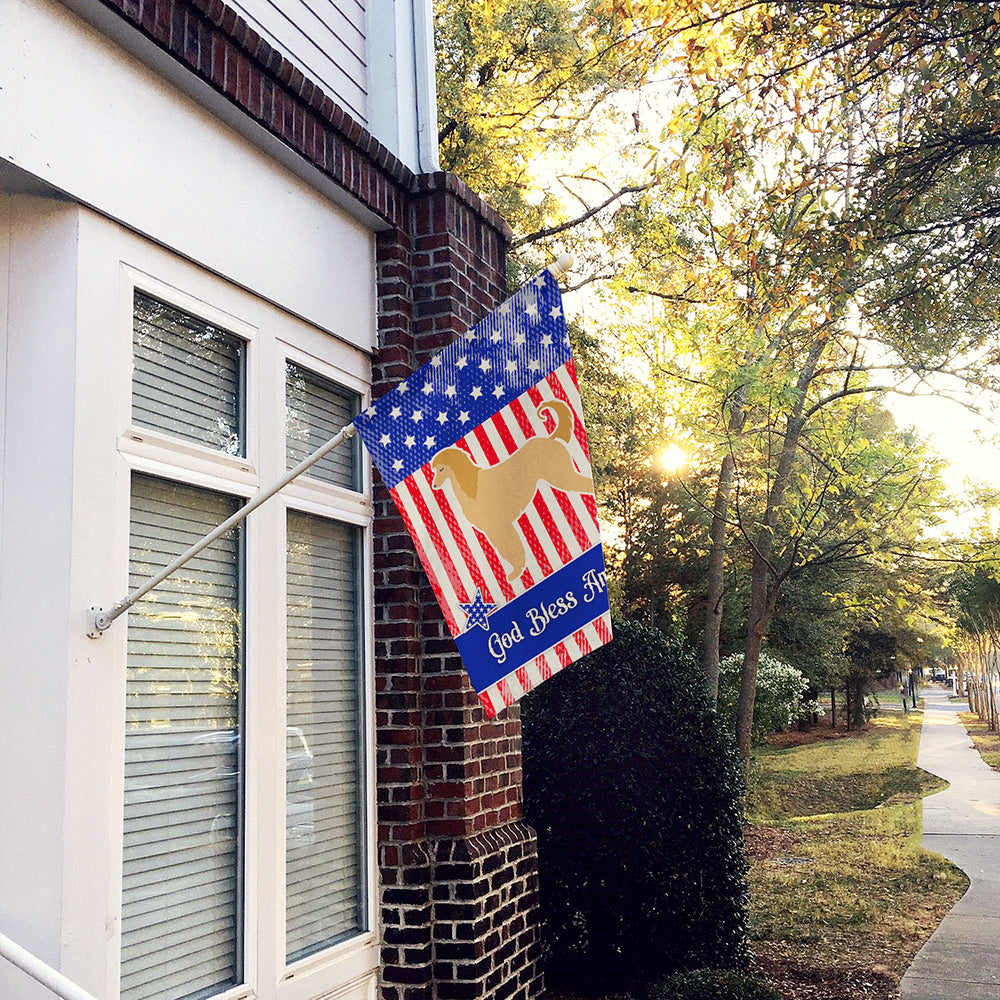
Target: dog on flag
x=493 y=498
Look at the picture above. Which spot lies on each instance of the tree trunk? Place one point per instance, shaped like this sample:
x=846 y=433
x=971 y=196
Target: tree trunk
x=833 y=708
x=762 y=597
x=717 y=555
x=991 y=696
x=762 y=604
x=716 y=581
x=859 y=718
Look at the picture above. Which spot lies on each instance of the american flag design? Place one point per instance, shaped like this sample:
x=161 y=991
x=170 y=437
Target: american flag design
x=523 y=610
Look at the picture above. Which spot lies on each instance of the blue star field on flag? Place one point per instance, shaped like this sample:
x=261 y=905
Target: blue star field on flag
x=512 y=349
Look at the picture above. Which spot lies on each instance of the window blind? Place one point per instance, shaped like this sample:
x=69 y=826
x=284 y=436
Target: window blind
x=325 y=888
x=187 y=376
x=315 y=410
x=181 y=893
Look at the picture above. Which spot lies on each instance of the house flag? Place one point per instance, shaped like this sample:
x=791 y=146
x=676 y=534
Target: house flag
x=485 y=454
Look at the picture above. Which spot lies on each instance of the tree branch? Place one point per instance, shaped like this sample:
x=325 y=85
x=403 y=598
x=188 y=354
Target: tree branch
x=542 y=234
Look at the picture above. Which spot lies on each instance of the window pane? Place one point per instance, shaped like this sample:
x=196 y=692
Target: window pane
x=187 y=376
x=181 y=929
x=325 y=888
x=315 y=410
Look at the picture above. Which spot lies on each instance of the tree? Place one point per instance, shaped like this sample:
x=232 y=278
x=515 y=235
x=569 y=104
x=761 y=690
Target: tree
x=519 y=80
x=803 y=214
x=871 y=653
x=976 y=593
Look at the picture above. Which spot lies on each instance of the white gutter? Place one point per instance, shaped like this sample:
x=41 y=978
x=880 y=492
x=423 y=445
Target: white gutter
x=425 y=86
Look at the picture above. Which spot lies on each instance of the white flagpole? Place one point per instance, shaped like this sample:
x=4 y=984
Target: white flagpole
x=101 y=619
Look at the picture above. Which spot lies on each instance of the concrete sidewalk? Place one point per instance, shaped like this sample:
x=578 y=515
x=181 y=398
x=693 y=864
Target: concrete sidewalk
x=961 y=960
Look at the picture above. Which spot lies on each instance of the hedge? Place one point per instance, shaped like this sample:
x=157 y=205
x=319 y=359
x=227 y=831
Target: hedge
x=714 y=985
x=634 y=790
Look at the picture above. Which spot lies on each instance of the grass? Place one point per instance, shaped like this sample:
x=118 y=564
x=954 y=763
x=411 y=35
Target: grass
x=838 y=877
x=842 y=894
x=987 y=743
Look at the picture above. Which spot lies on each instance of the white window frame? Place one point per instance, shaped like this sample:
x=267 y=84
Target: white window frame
x=272 y=336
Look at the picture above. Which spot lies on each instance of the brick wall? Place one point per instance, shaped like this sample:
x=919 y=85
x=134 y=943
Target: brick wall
x=458 y=867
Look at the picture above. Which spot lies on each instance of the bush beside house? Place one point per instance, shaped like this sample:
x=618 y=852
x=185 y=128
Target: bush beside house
x=634 y=789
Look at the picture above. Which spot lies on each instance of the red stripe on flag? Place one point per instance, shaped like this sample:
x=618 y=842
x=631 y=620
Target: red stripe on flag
x=438 y=543
x=504 y=690
x=522 y=419
x=574 y=522
x=542 y=666
x=580 y=432
x=548 y=522
x=554 y=531
x=487 y=703
x=484 y=442
x=580 y=638
x=590 y=503
x=425 y=562
x=496 y=567
x=500 y=426
x=563 y=653
x=525 y=680
x=603 y=632
x=571 y=369
x=536 y=547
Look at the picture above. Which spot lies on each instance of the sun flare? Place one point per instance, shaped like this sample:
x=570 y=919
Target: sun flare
x=672 y=457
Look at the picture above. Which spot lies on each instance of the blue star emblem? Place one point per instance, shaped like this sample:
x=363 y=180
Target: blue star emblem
x=478 y=612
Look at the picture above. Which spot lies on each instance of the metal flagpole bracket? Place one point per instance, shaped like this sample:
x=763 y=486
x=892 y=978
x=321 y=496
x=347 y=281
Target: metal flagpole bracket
x=98 y=621
x=101 y=619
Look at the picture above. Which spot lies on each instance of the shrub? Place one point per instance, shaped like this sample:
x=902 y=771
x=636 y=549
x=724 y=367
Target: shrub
x=779 y=692
x=711 y=984
x=634 y=790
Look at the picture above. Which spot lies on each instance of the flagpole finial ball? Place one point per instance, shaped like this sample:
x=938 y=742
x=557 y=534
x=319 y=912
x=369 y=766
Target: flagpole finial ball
x=563 y=264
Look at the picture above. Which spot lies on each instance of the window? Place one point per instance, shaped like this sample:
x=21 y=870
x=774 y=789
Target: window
x=315 y=409
x=182 y=873
x=187 y=376
x=207 y=833
x=324 y=861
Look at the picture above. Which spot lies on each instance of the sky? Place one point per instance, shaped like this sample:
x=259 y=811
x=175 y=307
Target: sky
x=957 y=436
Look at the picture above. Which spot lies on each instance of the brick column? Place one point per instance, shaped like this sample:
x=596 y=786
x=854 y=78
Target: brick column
x=459 y=868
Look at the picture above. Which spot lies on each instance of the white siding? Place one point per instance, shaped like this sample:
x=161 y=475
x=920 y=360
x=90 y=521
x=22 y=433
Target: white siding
x=37 y=299
x=108 y=131
x=325 y=39
x=375 y=58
